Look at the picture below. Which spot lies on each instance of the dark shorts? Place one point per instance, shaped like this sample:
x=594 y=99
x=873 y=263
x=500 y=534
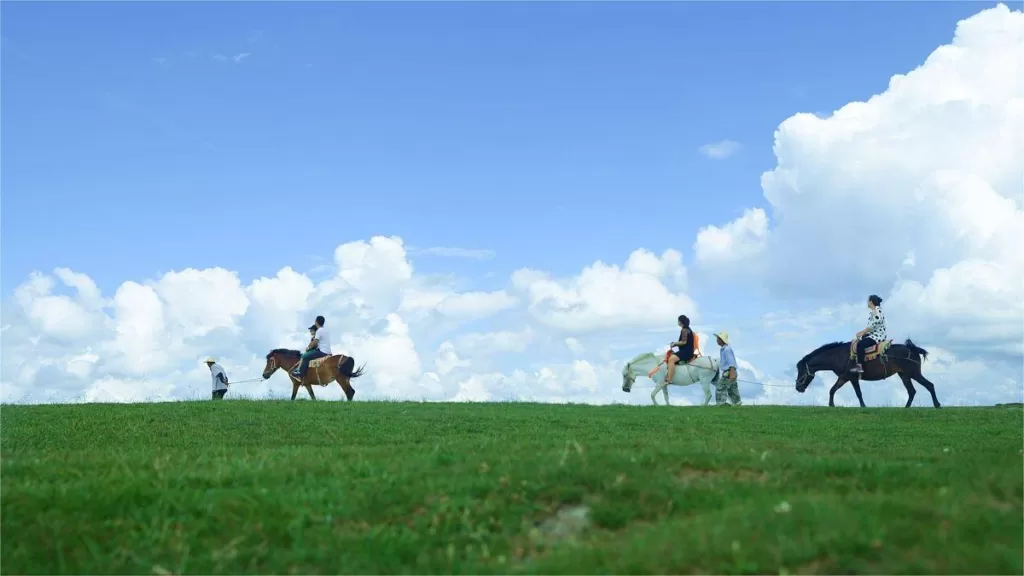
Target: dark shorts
x=865 y=343
x=680 y=355
x=219 y=394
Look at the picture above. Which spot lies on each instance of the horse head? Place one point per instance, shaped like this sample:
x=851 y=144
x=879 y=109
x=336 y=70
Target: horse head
x=804 y=376
x=274 y=358
x=629 y=370
x=831 y=356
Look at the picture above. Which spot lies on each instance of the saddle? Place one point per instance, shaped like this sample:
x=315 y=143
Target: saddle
x=313 y=370
x=696 y=354
x=871 y=352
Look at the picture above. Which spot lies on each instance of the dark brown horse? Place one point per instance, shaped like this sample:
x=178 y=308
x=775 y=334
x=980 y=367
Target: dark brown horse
x=901 y=359
x=322 y=371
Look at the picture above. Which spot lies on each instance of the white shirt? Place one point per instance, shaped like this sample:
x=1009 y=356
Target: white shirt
x=876 y=325
x=324 y=340
x=216 y=369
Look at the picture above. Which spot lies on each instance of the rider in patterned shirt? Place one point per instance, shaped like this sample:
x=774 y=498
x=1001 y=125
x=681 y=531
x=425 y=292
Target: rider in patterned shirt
x=873 y=334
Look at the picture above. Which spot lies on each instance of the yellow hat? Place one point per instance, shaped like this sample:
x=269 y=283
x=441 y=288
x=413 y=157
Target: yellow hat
x=723 y=335
x=209 y=360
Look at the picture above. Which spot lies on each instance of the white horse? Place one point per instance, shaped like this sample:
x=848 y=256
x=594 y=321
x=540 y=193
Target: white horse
x=702 y=369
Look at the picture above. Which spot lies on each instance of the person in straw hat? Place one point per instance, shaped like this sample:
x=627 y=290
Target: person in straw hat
x=726 y=386
x=220 y=378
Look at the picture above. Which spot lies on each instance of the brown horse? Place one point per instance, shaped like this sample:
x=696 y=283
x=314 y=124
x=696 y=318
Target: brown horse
x=322 y=371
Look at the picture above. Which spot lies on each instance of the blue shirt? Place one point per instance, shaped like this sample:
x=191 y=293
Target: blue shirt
x=727 y=359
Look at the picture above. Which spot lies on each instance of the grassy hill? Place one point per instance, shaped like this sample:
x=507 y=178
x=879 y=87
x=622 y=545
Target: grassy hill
x=327 y=487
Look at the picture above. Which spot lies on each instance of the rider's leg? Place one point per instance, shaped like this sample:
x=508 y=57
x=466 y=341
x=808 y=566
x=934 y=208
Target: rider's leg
x=303 y=364
x=671 y=368
x=306 y=358
x=862 y=345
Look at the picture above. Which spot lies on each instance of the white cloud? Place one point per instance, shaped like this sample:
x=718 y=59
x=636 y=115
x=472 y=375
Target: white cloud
x=606 y=296
x=739 y=240
x=447 y=359
x=719 y=150
x=917 y=190
x=478 y=344
x=574 y=345
x=458 y=305
x=224 y=299
x=146 y=341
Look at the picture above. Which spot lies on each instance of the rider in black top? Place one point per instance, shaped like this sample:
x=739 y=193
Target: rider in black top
x=684 y=348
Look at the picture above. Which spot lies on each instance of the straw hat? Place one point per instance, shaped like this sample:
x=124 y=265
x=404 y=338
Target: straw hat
x=723 y=335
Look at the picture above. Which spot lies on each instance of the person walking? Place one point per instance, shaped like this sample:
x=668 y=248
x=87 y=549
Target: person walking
x=726 y=388
x=219 y=376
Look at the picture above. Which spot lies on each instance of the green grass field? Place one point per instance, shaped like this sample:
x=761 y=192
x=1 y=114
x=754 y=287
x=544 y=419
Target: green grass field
x=328 y=487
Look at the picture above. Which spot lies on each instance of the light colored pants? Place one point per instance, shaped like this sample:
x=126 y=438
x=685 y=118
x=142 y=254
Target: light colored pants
x=726 y=388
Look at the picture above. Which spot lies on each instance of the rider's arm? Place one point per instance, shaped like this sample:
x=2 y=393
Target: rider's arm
x=876 y=319
x=313 y=343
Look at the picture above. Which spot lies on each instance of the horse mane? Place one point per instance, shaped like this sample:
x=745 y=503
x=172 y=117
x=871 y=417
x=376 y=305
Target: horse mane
x=284 y=352
x=823 y=348
x=642 y=356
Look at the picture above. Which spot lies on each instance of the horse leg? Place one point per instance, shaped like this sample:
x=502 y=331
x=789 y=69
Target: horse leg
x=910 y=388
x=856 y=388
x=654 y=393
x=309 y=388
x=832 y=393
x=664 y=392
x=295 y=388
x=346 y=387
x=706 y=384
x=927 y=386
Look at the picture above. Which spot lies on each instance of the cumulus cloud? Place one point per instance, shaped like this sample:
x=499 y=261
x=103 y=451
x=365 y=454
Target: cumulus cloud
x=146 y=342
x=738 y=241
x=642 y=294
x=916 y=192
x=150 y=336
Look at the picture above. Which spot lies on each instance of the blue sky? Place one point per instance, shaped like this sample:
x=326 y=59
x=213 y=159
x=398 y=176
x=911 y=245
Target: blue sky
x=144 y=138
x=513 y=127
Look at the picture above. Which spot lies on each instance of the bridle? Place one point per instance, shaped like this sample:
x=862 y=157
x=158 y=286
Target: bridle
x=273 y=365
x=628 y=375
x=804 y=374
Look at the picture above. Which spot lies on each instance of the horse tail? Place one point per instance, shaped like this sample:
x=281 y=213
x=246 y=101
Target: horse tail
x=916 y=349
x=718 y=372
x=345 y=368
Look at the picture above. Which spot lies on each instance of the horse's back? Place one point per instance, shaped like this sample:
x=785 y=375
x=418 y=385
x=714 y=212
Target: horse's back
x=705 y=362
